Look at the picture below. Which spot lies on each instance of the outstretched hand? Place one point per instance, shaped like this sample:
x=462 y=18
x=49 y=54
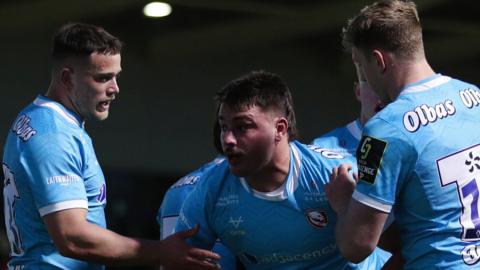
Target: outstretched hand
x=183 y=256
x=340 y=188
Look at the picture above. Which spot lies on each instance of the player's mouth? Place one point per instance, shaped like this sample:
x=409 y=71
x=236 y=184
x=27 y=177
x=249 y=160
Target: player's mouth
x=233 y=157
x=104 y=105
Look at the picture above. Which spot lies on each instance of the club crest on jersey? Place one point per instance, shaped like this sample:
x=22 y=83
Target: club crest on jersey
x=317 y=218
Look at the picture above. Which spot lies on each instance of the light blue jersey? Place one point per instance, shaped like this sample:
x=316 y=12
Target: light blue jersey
x=172 y=203
x=342 y=139
x=290 y=228
x=49 y=165
x=421 y=157
x=345 y=140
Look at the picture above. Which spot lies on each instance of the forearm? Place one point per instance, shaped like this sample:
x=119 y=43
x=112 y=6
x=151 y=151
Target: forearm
x=356 y=239
x=93 y=243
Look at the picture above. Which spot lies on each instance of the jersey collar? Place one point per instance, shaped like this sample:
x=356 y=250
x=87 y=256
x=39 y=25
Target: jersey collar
x=66 y=114
x=287 y=188
x=355 y=129
x=426 y=84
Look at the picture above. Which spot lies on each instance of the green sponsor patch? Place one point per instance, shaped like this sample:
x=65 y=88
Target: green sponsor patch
x=369 y=157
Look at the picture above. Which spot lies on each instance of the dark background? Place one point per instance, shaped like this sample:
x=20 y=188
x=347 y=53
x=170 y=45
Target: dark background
x=160 y=126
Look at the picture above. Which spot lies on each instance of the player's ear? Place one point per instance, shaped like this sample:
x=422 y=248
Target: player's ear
x=66 y=77
x=380 y=59
x=281 y=128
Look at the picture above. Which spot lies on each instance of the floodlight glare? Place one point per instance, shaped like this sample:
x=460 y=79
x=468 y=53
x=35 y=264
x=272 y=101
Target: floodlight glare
x=157 y=9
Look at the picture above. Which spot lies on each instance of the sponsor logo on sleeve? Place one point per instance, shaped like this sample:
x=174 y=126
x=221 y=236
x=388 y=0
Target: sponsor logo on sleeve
x=64 y=180
x=369 y=158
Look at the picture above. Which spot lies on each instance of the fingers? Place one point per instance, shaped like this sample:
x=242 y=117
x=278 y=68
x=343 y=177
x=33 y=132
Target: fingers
x=204 y=264
x=334 y=174
x=205 y=258
x=355 y=176
x=205 y=254
x=344 y=168
x=341 y=174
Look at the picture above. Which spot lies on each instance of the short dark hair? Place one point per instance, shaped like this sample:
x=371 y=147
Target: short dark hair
x=392 y=25
x=81 y=39
x=263 y=89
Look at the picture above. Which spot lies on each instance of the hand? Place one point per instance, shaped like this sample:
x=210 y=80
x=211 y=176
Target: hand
x=183 y=256
x=340 y=188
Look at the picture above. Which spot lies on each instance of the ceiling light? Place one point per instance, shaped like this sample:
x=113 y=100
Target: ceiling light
x=157 y=9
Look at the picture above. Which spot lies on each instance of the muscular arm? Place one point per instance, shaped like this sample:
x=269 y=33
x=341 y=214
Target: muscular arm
x=75 y=237
x=358 y=230
x=358 y=227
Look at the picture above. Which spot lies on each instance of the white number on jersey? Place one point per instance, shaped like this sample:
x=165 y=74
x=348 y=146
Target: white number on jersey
x=10 y=196
x=463 y=169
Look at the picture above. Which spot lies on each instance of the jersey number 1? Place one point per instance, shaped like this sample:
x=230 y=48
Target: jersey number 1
x=463 y=169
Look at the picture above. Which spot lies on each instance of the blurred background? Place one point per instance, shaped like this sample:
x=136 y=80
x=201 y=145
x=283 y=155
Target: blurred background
x=160 y=125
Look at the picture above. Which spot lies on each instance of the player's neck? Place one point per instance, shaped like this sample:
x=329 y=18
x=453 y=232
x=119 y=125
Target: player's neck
x=407 y=74
x=275 y=173
x=56 y=93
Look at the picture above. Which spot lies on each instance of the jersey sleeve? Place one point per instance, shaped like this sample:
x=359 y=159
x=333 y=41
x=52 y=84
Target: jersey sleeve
x=166 y=222
x=195 y=210
x=385 y=157
x=53 y=164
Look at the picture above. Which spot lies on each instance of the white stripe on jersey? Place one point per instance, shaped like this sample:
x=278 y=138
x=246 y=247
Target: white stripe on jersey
x=50 y=104
x=371 y=202
x=62 y=206
x=427 y=85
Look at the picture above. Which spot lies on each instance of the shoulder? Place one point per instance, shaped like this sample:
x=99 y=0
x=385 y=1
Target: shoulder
x=319 y=158
x=191 y=179
x=211 y=180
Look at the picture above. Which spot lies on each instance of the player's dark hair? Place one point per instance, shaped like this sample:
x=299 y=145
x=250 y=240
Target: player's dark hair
x=263 y=89
x=81 y=40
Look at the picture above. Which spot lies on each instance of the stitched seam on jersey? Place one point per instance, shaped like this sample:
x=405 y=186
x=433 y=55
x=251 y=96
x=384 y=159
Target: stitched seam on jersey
x=426 y=86
x=354 y=130
x=55 y=107
x=62 y=206
x=364 y=199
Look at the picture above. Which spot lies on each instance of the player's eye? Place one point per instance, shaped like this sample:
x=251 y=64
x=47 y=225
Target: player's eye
x=103 y=78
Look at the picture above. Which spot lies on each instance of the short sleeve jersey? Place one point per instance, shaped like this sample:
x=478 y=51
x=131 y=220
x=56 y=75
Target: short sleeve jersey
x=172 y=203
x=290 y=228
x=49 y=165
x=421 y=157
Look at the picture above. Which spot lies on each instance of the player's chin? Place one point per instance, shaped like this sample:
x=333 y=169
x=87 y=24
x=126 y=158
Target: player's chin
x=100 y=115
x=237 y=170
